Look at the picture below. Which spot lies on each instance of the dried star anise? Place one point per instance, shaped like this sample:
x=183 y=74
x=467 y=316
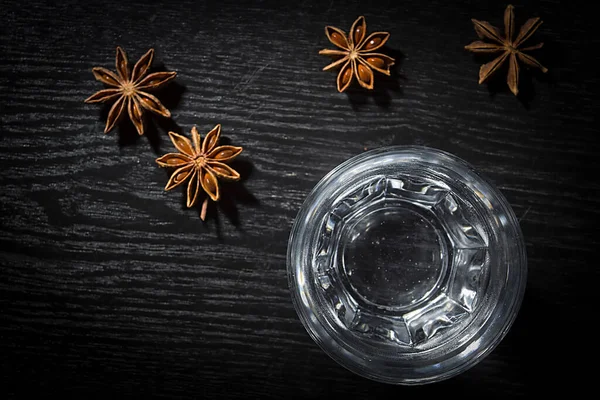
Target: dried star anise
x=509 y=48
x=357 y=57
x=200 y=164
x=129 y=89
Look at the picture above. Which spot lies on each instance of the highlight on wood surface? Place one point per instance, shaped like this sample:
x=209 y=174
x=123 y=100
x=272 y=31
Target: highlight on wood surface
x=201 y=164
x=510 y=49
x=356 y=57
x=130 y=90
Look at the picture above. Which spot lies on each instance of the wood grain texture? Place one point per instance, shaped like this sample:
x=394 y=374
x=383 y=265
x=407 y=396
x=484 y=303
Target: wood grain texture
x=109 y=286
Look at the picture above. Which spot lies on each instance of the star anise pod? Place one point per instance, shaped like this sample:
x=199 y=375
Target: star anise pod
x=510 y=49
x=357 y=57
x=129 y=89
x=200 y=164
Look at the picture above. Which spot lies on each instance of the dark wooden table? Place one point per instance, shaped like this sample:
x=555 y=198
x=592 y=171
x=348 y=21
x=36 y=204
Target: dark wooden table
x=110 y=286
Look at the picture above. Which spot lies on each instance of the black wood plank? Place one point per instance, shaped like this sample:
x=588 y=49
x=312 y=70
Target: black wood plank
x=110 y=286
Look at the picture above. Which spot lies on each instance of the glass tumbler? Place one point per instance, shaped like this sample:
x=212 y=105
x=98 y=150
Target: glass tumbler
x=405 y=265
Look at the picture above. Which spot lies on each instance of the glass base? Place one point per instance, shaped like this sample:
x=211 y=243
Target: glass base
x=406 y=258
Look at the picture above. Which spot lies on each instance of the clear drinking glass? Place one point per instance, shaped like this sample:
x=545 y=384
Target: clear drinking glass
x=405 y=265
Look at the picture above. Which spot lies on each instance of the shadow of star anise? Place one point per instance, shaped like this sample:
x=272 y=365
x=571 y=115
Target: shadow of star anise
x=130 y=90
x=200 y=164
